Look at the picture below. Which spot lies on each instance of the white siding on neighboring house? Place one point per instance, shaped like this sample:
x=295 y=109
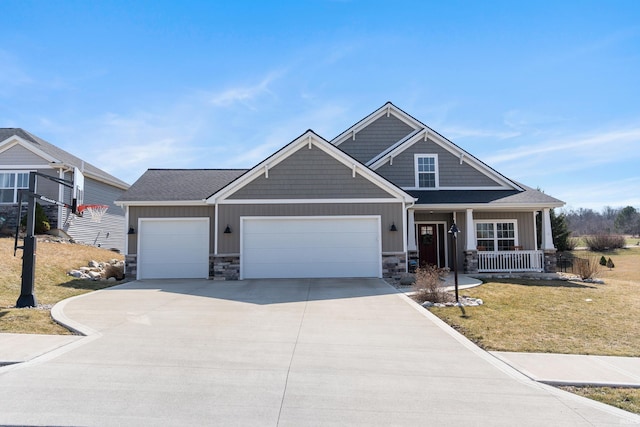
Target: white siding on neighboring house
x=110 y=232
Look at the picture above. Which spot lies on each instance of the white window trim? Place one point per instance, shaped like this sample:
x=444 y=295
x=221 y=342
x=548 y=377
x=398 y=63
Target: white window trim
x=495 y=231
x=15 y=188
x=417 y=174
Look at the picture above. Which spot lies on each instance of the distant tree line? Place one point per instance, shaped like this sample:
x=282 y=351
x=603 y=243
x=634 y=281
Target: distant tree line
x=583 y=222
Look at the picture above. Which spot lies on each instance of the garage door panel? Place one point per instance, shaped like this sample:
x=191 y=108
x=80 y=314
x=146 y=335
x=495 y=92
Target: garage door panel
x=173 y=248
x=311 y=247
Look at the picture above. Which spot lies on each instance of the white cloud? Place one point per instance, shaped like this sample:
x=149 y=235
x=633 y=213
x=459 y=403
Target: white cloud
x=245 y=94
x=599 y=146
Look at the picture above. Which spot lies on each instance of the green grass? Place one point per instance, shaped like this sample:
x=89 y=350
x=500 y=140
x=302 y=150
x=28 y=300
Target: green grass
x=52 y=284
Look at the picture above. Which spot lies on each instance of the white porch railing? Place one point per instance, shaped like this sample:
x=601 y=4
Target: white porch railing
x=510 y=261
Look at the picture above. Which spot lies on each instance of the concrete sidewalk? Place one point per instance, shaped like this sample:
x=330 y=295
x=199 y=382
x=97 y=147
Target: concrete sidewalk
x=573 y=369
x=17 y=348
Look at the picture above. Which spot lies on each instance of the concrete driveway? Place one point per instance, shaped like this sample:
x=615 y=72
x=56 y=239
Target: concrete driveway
x=274 y=353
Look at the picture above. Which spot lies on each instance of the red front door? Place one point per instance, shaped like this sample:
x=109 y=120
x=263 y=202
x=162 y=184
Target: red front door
x=431 y=244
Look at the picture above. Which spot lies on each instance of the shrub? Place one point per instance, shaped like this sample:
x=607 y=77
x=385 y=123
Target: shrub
x=427 y=285
x=42 y=224
x=603 y=260
x=571 y=243
x=604 y=242
x=586 y=268
x=610 y=264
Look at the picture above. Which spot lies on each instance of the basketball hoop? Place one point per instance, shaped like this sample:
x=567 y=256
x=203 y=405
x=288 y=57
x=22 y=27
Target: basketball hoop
x=96 y=212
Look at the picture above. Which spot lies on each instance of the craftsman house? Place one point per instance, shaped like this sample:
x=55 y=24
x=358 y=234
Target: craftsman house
x=378 y=198
x=22 y=152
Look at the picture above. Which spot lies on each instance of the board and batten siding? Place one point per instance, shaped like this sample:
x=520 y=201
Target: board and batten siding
x=376 y=138
x=451 y=173
x=309 y=174
x=19 y=156
x=108 y=233
x=390 y=213
x=136 y=212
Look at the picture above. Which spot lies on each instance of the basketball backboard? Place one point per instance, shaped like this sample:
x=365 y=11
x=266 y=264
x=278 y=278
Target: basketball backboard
x=78 y=187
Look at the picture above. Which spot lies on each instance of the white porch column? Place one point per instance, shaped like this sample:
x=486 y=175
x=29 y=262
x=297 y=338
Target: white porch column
x=411 y=231
x=547 y=236
x=470 y=235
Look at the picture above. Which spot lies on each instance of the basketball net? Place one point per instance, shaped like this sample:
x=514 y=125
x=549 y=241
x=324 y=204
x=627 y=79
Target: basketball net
x=96 y=212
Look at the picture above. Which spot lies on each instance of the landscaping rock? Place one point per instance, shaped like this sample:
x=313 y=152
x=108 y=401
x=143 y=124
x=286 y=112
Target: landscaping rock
x=100 y=271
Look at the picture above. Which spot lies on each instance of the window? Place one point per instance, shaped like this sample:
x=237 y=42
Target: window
x=496 y=236
x=426 y=171
x=10 y=183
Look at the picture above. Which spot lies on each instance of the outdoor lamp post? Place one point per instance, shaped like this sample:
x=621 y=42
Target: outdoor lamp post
x=454 y=234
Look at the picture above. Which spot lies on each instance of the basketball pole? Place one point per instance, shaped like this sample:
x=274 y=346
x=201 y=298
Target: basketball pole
x=27 y=297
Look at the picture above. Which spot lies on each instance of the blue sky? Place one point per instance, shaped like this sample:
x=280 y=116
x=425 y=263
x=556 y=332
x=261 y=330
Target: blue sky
x=546 y=92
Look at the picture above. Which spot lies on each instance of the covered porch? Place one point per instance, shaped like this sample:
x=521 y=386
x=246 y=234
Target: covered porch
x=489 y=240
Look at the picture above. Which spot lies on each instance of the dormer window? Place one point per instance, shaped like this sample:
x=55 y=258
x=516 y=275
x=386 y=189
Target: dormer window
x=426 y=167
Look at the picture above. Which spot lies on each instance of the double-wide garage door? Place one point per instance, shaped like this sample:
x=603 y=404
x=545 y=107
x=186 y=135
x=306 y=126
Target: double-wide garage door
x=171 y=248
x=306 y=247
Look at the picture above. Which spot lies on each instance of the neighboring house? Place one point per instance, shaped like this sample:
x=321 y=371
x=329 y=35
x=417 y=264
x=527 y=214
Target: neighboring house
x=377 y=198
x=22 y=152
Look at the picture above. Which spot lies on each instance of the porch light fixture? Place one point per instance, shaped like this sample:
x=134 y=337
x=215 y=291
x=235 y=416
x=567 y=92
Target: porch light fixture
x=131 y=230
x=393 y=227
x=454 y=234
x=227 y=230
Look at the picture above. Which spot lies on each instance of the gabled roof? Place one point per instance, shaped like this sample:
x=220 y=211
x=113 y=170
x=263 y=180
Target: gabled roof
x=386 y=109
x=55 y=155
x=173 y=185
x=422 y=131
x=310 y=138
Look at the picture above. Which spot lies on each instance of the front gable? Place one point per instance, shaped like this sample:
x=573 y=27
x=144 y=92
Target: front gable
x=376 y=133
x=455 y=168
x=309 y=173
x=15 y=151
x=310 y=170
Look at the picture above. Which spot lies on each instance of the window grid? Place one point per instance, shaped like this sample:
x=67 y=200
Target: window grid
x=426 y=172
x=10 y=183
x=492 y=235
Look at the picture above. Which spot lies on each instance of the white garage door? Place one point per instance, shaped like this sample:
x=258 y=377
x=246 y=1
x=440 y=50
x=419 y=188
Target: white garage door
x=298 y=247
x=173 y=248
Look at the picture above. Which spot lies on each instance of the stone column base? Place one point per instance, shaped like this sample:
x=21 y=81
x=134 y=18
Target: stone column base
x=550 y=261
x=224 y=267
x=470 y=262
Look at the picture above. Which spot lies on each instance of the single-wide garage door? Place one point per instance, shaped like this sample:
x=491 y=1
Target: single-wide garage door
x=173 y=248
x=298 y=247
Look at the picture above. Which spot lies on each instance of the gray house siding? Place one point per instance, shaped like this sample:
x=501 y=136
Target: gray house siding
x=230 y=215
x=376 y=138
x=451 y=172
x=309 y=174
x=526 y=237
x=110 y=232
x=137 y=212
x=20 y=156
